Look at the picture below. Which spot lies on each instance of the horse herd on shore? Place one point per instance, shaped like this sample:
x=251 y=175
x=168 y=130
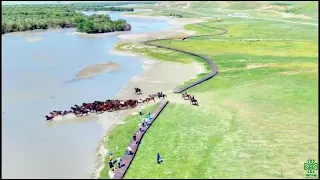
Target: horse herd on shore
x=105 y=106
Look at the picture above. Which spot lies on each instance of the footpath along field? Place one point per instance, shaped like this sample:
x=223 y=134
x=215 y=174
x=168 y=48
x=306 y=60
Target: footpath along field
x=258 y=118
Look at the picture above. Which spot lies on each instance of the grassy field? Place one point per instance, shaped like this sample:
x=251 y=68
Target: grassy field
x=272 y=9
x=257 y=118
x=121 y=135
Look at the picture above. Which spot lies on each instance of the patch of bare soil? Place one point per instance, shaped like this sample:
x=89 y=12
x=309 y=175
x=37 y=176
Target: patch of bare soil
x=96 y=69
x=253 y=66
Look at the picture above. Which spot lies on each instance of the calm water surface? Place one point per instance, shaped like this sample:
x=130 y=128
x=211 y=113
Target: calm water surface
x=32 y=72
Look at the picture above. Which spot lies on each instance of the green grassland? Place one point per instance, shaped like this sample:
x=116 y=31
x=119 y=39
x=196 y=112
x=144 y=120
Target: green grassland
x=307 y=8
x=257 y=118
x=265 y=9
x=121 y=136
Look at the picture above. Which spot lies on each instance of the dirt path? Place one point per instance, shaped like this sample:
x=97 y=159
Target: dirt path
x=214 y=68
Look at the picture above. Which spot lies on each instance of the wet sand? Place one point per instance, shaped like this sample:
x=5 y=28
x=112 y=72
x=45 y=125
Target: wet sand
x=97 y=69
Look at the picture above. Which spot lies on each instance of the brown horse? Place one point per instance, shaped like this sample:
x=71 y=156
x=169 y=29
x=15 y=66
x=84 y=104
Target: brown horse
x=186 y=96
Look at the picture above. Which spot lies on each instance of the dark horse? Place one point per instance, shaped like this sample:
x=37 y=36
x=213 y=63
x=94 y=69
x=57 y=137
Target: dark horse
x=193 y=101
x=186 y=96
x=161 y=95
x=137 y=91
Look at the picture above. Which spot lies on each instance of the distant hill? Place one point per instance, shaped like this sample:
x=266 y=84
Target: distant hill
x=309 y=8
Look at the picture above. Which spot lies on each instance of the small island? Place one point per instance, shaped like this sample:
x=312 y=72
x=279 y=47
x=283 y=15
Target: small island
x=97 y=69
x=17 y=18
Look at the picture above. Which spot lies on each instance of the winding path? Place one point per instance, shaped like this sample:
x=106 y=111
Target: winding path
x=127 y=160
x=214 y=68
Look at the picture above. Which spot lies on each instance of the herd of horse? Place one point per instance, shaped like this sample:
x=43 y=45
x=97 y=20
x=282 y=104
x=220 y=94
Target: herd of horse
x=105 y=106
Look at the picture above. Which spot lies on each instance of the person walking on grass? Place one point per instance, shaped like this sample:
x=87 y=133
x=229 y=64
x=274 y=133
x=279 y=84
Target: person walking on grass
x=140 y=110
x=119 y=161
x=158 y=158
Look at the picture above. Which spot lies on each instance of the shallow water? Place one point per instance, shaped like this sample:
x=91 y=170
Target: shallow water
x=38 y=77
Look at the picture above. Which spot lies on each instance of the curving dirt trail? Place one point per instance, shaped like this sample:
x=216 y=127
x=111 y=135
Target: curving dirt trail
x=214 y=68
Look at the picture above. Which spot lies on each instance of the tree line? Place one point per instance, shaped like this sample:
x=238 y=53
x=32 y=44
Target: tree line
x=30 y=17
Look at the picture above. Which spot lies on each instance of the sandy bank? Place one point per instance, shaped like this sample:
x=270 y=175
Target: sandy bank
x=154 y=79
x=97 y=69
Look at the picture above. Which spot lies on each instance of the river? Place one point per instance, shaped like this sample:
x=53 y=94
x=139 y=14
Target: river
x=37 y=77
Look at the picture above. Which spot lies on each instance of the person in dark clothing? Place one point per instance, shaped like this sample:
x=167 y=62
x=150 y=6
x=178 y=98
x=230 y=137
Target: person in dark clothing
x=119 y=161
x=159 y=158
x=111 y=165
x=134 y=137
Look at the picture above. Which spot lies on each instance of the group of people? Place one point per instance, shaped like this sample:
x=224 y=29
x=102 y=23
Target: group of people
x=111 y=165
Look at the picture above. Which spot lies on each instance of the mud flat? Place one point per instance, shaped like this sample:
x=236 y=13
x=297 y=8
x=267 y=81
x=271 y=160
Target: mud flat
x=97 y=69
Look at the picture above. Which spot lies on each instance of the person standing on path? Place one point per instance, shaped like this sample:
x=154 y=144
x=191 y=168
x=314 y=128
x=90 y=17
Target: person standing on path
x=129 y=149
x=149 y=117
x=134 y=137
x=140 y=128
x=119 y=161
x=145 y=121
x=111 y=165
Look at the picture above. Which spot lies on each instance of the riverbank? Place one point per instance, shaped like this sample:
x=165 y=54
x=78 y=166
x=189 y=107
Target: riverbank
x=152 y=80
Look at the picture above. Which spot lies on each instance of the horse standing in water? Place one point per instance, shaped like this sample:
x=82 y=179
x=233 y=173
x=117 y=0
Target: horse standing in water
x=137 y=91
